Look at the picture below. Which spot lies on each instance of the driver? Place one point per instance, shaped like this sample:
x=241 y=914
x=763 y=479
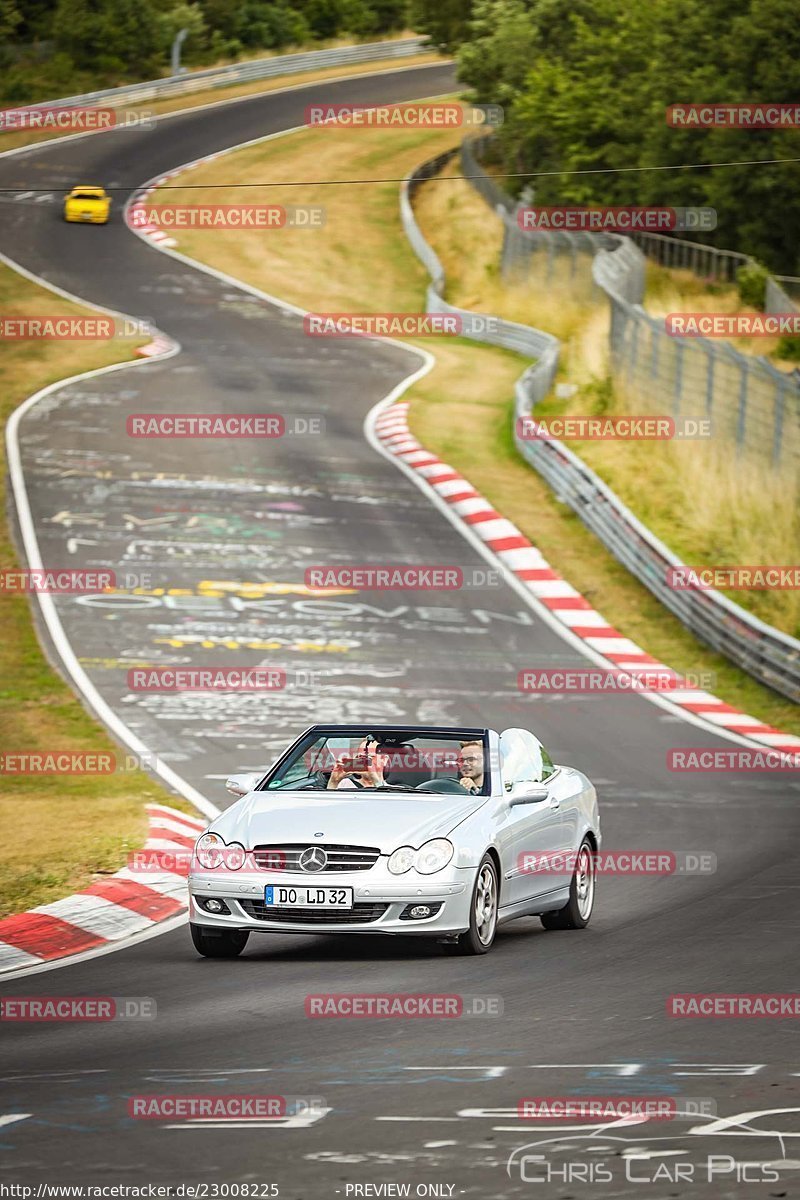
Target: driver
x=364 y=769
x=470 y=762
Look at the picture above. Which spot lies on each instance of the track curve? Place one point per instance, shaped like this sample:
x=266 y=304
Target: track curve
x=242 y=512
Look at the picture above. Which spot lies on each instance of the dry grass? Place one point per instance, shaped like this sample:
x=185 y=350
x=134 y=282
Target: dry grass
x=463 y=408
x=60 y=830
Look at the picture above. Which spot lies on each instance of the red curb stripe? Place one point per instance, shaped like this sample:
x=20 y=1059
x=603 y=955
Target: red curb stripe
x=157 y=814
x=487 y=514
x=454 y=499
x=445 y=478
x=45 y=936
x=517 y=542
x=136 y=897
x=571 y=603
x=536 y=574
x=169 y=835
x=603 y=631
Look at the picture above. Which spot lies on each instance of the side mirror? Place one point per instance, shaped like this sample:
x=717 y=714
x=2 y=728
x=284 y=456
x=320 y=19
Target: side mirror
x=528 y=793
x=240 y=785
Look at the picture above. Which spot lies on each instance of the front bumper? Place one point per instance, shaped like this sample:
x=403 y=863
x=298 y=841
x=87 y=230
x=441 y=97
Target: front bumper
x=378 y=898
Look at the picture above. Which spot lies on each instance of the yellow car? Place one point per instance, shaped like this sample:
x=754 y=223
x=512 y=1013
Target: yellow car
x=90 y=204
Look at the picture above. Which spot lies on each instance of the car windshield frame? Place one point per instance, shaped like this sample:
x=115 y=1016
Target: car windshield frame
x=398 y=735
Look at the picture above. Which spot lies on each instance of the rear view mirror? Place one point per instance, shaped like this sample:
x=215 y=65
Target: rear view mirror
x=240 y=785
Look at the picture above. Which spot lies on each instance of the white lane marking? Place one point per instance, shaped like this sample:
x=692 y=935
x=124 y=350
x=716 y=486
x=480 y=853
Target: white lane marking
x=298 y=1121
x=417 y=1119
x=489 y=1072
x=12 y=1118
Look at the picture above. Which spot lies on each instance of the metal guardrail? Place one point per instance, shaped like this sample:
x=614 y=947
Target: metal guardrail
x=767 y=654
x=244 y=72
x=750 y=403
x=526 y=340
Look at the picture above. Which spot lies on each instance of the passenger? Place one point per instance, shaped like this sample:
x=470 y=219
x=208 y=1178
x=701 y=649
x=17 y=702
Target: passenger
x=364 y=769
x=471 y=766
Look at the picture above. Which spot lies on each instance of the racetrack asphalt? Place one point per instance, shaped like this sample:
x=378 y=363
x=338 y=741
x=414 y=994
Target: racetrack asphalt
x=424 y=1101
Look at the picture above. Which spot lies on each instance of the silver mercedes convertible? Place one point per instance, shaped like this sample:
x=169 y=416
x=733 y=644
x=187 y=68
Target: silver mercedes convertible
x=443 y=833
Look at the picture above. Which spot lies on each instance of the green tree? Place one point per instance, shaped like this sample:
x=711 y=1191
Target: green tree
x=446 y=22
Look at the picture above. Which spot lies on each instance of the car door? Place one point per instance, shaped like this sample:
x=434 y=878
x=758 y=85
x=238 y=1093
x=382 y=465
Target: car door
x=534 y=791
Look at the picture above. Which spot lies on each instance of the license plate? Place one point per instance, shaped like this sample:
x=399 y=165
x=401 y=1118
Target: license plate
x=276 y=896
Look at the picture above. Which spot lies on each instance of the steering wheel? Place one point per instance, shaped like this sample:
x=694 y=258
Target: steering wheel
x=445 y=785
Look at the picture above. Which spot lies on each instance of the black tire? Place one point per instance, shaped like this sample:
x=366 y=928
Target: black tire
x=222 y=943
x=577 y=912
x=479 y=938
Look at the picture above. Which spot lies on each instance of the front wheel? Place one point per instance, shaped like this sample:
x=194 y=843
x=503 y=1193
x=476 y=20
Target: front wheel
x=577 y=912
x=483 y=912
x=222 y=943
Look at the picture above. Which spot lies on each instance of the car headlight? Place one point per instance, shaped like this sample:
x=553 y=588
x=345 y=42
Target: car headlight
x=208 y=849
x=433 y=856
x=402 y=860
x=428 y=859
x=234 y=856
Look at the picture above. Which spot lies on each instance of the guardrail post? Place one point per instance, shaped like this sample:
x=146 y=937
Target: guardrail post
x=744 y=367
x=777 y=431
x=679 y=352
x=711 y=358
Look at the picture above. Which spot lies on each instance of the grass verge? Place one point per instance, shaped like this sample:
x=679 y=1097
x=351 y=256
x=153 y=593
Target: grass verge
x=62 y=830
x=361 y=261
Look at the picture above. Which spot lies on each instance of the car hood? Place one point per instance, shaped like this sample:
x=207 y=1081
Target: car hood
x=351 y=818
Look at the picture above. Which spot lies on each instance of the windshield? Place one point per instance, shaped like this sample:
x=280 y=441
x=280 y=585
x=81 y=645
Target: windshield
x=386 y=762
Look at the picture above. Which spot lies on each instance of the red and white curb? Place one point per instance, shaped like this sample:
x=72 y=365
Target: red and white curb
x=130 y=902
x=518 y=555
